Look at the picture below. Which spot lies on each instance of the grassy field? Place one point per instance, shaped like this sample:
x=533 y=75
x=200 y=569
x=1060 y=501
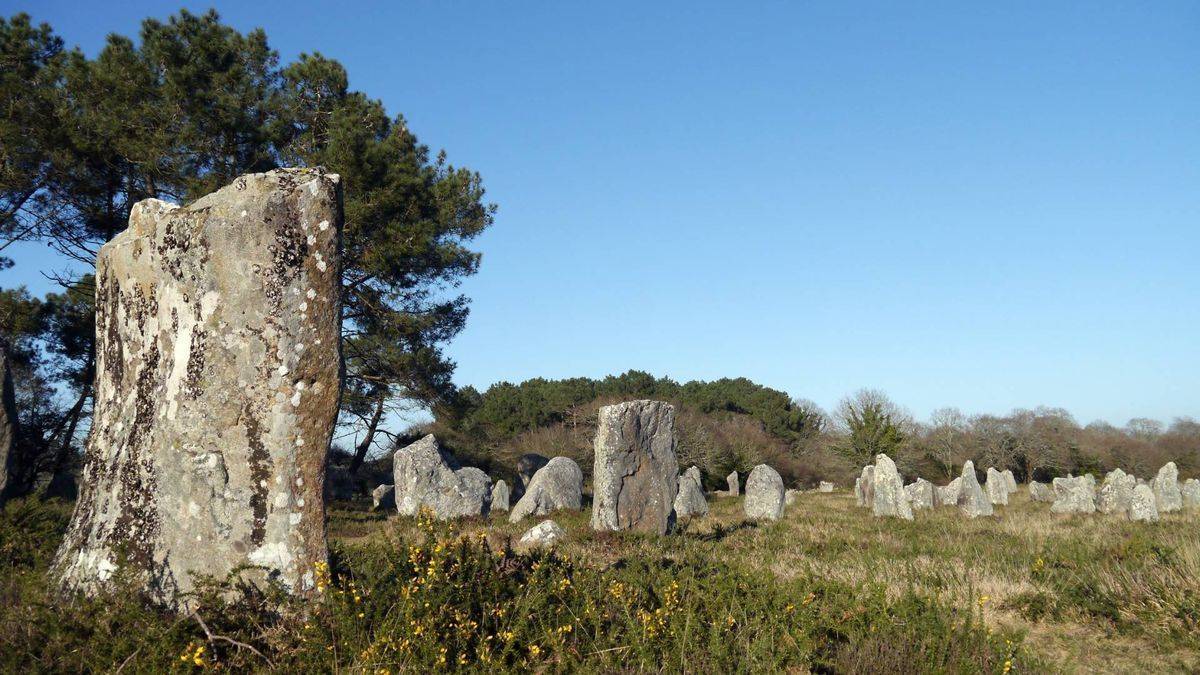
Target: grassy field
x=828 y=588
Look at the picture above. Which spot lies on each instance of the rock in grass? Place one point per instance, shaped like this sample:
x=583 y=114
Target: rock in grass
x=636 y=474
x=426 y=476
x=825 y=486
x=889 y=499
x=500 y=496
x=996 y=487
x=1115 y=492
x=1074 y=495
x=1010 y=479
x=1166 y=489
x=1190 y=492
x=1040 y=492
x=920 y=494
x=971 y=499
x=1142 y=506
x=217 y=385
x=732 y=481
x=764 y=494
x=545 y=533
x=690 y=501
x=527 y=465
x=947 y=495
x=383 y=497
x=790 y=497
x=557 y=485
x=864 y=486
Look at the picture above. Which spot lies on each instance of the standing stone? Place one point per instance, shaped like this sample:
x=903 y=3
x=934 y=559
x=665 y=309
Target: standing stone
x=920 y=494
x=690 y=501
x=790 y=497
x=500 y=496
x=1142 y=505
x=694 y=473
x=429 y=477
x=545 y=533
x=971 y=498
x=732 y=481
x=997 y=487
x=1190 y=492
x=764 y=494
x=557 y=485
x=947 y=495
x=890 y=499
x=825 y=486
x=1074 y=495
x=217 y=381
x=527 y=465
x=8 y=425
x=864 y=486
x=1040 y=492
x=1166 y=489
x=383 y=497
x=1011 y=480
x=1115 y=492
x=636 y=475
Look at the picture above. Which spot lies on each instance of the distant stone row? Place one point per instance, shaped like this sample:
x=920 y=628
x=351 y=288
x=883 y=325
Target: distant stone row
x=880 y=487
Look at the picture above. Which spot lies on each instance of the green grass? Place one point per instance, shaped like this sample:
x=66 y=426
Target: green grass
x=827 y=589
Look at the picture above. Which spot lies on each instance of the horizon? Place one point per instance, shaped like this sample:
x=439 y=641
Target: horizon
x=990 y=209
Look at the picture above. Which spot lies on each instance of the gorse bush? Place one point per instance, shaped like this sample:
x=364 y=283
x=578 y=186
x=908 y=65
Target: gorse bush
x=431 y=598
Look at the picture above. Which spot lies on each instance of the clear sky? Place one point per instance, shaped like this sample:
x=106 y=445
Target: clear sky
x=982 y=205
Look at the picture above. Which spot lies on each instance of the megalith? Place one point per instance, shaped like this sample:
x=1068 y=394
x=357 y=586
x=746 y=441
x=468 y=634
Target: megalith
x=825 y=486
x=383 y=497
x=1074 y=494
x=764 y=494
x=217 y=381
x=1166 y=489
x=997 y=487
x=1040 y=492
x=947 y=495
x=690 y=501
x=921 y=494
x=889 y=499
x=864 y=486
x=1190 y=493
x=732 y=482
x=636 y=475
x=971 y=499
x=1142 y=505
x=428 y=477
x=557 y=485
x=1115 y=492
x=1010 y=479
x=500 y=496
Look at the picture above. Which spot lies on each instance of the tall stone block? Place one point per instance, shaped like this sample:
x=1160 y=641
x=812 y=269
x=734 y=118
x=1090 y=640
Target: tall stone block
x=636 y=474
x=429 y=477
x=217 y=382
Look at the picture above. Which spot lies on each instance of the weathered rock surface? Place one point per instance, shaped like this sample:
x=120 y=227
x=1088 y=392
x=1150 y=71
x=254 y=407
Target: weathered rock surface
x=971 y=499
x=527 y=465
x=636 y=473
x=1190 y=492
x=764 y=494
x=557 y=485
x=1074 y=495
x=1115 y=492
x=920 y=494
x=1040 y=492
x=864 y=486
x=1010 y=479
x=996 y=487
x=947 y=495
x=690 y=501
x=693 y=473
x=383 y=498
x=825 y=486
x=426 y=476
x=889 y=499
x=500 y=496
x=545 y=533
x=790 y=497
x=1142 y=505
x=8 y=425
x=732 y=481
x=1166 y=489
x=217 y=384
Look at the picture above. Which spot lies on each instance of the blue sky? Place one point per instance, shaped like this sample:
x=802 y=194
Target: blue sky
x=988 y=206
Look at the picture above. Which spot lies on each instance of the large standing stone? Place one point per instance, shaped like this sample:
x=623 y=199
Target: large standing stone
x=429 y=477
x=1166 y=489
x=1010 y=479
x=690 y=501
x=557 y=485
x=1115 y=492
x=732 y=481
x=1142 y=506
x=864 y=486
x=1040 y=492
x=920 y=494
x=217 y=382
x=971 y=499
x=764 y=494
x=1074 y=495
x=947 y=495
x=500 y=496
x=997 y=487
x=383 y=497
x=636 y=474
x=527 y=465
x=1190 y=492
x=890 y=499
x=8 y=424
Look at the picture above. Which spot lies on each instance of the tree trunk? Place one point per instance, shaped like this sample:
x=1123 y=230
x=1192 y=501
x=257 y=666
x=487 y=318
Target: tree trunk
x=360 y=451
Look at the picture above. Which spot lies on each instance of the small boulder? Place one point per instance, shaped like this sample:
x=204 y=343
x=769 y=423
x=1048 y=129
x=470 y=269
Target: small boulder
x=920 y=494
x=383 y=497
x=971 y=499
x=825 y=486
x=1010 y=479
x=690 y=501
x=500 y=496
x=557 y=485
x=997 y=487
x=864 y=486
x=790 y=497
x=545 y=533
x=1167 y=495
x=429 y=477
x=1142 y=506
x=1040 y=492
x=1074 y=495
x=890 y=499
x=764 y=494
x=1115 y=492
